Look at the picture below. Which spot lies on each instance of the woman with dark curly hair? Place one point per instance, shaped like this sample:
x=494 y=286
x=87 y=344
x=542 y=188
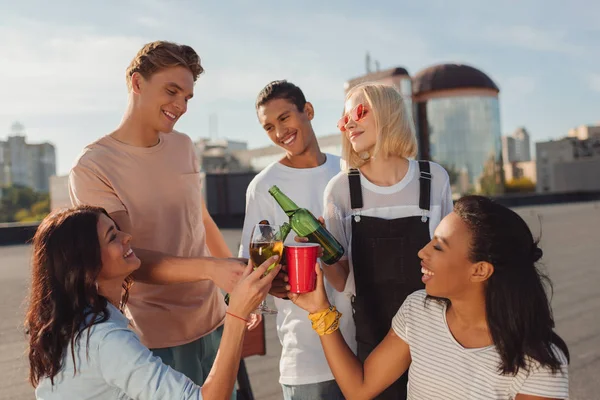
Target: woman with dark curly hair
x=80 y=345
x=481 y=329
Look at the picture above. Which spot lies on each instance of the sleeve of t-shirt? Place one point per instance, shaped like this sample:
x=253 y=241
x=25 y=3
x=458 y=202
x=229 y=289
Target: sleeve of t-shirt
x=543 y=382
x=400 y=320
x=335 y=220
x=127 y=364
x=258 y=207
x=447 y=204
x=88 y=187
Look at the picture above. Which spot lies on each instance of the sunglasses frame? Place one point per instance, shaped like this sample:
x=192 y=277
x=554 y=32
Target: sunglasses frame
x=357 y=114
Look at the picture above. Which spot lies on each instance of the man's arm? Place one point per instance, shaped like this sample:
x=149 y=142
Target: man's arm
x=160 y=268
x=88 y=186
x=214 y=238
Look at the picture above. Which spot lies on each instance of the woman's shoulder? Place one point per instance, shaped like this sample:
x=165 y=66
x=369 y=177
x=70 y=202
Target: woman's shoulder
x=416 y=299
x=423 y=304
x=106 y=322
x=338 y=185
x=437 y=171
x=440 y=180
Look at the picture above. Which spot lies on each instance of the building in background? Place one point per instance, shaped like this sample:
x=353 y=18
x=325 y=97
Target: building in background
x=585 y=132
x=457 y=116
x=42 y=158
x=570 y=164
x=519 y=170
x=4 y=165
x=218 y=155
x=516 y=157
x=516 y=147
x=26 y=164
x=59 y=192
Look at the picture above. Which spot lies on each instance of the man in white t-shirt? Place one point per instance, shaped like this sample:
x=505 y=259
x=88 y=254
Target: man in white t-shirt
x=302 y=174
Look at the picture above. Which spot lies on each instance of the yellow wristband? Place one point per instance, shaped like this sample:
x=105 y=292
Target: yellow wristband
x=326 y=322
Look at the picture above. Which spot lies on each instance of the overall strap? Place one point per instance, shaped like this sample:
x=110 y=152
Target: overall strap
x=425 y=187
x=356 y=200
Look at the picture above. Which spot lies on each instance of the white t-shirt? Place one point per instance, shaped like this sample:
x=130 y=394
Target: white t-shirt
x=443 y=369
x=387 y=202
x=302 y=357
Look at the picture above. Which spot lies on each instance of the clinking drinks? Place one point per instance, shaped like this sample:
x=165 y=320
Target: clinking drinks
x=306 y=225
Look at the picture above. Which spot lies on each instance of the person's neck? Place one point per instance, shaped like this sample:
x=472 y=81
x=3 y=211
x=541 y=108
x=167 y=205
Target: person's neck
x=312 y=157
x=134 y=132
x=111 y=290
x=468 y=311
x=385 y=171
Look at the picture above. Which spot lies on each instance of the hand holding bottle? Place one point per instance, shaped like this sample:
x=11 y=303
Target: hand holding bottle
x=335 y=276
x=302 y=239
x=306 y=225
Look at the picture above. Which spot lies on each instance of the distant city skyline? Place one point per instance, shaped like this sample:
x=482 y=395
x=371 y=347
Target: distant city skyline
x=24 y=163
x=65 y=76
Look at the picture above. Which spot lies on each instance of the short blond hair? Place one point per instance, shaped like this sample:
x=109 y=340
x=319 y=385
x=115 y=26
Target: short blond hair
x=395 y=129
x=159 y=55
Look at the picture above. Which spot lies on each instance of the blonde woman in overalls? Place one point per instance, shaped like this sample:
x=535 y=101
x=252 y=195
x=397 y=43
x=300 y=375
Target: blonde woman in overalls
x=384 y=208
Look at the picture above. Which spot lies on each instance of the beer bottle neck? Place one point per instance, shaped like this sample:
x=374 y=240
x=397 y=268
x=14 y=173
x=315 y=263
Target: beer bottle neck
x=286 y=204
x=285 y=231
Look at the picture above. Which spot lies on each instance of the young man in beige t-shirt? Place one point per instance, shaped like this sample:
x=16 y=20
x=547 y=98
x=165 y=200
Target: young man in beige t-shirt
x=147 y=178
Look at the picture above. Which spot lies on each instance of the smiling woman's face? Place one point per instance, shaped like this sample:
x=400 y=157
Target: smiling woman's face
x=362 y=134
x=118 y=259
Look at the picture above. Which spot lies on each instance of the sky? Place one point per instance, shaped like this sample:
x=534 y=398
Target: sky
x=62 y=66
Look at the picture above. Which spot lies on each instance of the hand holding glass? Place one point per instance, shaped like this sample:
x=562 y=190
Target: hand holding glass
x=265 y=242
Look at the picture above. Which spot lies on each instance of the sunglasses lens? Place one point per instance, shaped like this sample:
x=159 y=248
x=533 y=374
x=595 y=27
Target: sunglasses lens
x=358 y=113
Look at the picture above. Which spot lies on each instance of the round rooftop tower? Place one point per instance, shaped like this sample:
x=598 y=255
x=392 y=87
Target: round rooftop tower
x=457 y=116
x=448 y=77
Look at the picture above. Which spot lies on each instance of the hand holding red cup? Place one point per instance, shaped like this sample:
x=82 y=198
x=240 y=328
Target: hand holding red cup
x=301 y=259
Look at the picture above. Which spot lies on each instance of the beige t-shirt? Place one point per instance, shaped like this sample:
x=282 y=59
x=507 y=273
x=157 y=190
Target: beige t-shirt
x=160 y=189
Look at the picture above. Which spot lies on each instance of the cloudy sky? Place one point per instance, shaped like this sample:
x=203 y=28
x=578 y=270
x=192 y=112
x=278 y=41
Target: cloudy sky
x=62 y=67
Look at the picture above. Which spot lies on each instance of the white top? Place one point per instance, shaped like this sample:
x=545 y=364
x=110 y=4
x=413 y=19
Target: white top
x=115 y=366
x=400 y=200
x=302 y=357
x=443 y=369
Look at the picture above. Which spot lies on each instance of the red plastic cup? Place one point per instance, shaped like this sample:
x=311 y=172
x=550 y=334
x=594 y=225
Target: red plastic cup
x=301 y=260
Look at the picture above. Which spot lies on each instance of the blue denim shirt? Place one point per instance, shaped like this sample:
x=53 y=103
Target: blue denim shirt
x=117 y=366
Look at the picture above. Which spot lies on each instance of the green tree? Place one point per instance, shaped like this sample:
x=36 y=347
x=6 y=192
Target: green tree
x=23 y=204
x=41 y=207
x=22 y=215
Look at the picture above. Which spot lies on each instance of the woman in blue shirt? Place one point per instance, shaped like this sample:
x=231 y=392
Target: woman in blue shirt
x=80 y=345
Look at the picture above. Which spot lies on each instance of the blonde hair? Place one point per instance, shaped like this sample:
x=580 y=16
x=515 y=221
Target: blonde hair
x=159 y=55
x=395 y=130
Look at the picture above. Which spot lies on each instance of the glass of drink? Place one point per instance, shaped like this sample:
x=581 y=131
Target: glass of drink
x=265 y=242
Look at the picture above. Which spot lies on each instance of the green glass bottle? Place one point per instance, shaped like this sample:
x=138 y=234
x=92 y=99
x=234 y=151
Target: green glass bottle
x=306 y=225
